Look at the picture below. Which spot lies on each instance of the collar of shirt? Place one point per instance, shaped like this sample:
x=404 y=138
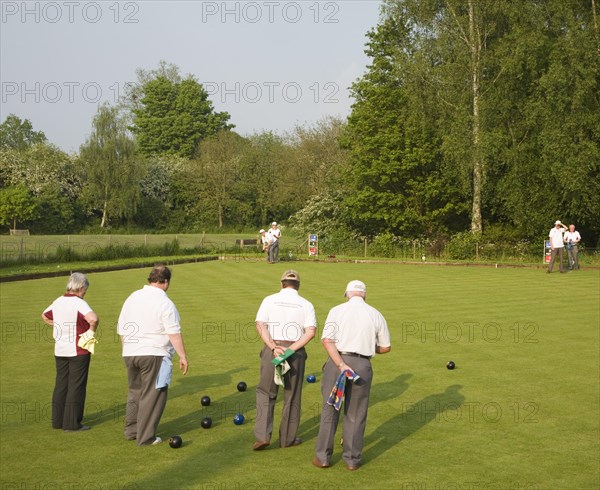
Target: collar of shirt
x=153 y=289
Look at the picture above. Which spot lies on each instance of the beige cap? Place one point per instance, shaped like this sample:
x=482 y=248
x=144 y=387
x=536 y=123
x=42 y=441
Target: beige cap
x=356 y=286
x=557 y=222
x=290 y=275
x=262 y=231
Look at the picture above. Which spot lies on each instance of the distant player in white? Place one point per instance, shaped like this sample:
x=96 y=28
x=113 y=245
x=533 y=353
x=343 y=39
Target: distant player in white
x=557 y=245
x=572 y=238
x=274 y=249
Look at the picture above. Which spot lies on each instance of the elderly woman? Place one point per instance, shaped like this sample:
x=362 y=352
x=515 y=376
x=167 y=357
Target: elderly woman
x=74 y=325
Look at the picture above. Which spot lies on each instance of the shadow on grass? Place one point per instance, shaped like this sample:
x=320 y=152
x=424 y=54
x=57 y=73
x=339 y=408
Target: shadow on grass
x=381 y=392
x=414 y=417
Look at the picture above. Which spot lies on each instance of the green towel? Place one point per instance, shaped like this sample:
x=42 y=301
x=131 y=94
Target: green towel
x=282 y=357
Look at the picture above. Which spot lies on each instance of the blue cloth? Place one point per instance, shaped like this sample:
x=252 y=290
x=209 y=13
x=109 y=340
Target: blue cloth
x=336 y=397
x=165 y=373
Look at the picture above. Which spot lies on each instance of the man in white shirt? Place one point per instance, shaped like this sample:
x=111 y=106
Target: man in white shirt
x=267 y=241
x=354 y=332
x=150 y=331
x=557 y=245
x=285 y=320
x=572 y=238
x=274 y=248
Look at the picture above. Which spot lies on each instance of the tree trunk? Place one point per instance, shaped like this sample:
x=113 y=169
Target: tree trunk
x=596 y=30
x=103 y=222
x=15 y=223
x=478 y=165
x=220 y=213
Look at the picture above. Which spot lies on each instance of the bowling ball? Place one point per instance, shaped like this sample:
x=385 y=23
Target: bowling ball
x=175 y=442
x=311 y=378
x=206 y=422
x=241 y=386
x=205 y=401
x=450 y=365
x=238 y=419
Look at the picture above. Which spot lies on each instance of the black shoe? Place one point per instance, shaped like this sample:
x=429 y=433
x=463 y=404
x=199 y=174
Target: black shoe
x=83 y=427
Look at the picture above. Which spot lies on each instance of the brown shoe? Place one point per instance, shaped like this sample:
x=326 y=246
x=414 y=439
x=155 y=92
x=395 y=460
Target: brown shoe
x=352 y=468
x=316 y=462
x=260 y=445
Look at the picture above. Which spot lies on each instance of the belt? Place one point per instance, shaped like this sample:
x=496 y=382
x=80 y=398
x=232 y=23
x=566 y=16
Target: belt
x=354 y=354
x=283 y=343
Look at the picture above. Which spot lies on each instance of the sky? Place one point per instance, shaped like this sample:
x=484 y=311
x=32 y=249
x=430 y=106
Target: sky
x=270 y=64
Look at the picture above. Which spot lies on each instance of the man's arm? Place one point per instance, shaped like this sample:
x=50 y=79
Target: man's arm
x=382 y=350
x=336 y=358
x=263 y=330
x=307 y=336
x=177 y=341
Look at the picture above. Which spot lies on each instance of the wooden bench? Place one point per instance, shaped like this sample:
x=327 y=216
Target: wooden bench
x=247 y=242
x=19 y=232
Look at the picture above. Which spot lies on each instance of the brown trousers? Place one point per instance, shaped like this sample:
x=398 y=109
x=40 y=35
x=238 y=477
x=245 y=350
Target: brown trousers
x=266 y=396
x=145 y=404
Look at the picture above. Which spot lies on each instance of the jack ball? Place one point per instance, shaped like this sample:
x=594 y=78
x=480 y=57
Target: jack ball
x=175 y=442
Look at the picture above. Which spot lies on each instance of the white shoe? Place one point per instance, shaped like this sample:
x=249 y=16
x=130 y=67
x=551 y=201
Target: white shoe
x=157 y=440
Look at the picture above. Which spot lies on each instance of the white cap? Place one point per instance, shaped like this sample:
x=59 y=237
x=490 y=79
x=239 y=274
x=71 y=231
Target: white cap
x=262 y=231
x=356 y=286
x=557 y=222
x=274 y=223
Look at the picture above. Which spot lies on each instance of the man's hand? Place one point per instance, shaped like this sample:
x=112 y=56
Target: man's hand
x=183 y=365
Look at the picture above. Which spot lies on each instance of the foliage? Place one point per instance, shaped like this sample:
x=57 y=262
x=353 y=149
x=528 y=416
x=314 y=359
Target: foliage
x=173 y=115
x=18 y=135
x=16 y=204
x=112 y=171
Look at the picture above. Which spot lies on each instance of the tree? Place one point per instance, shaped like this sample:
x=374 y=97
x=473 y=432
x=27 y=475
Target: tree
x=172 y=115
x=396 y=168
x=112 y=170
x=213 y=175
x=16 y=204
x=19 y=135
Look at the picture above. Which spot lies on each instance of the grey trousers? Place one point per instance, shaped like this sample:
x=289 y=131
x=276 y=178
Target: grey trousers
x=266 y=396
x=274 y=252
x=555 y=251
x=145 y=404
x=356 y=405
x=572 y=254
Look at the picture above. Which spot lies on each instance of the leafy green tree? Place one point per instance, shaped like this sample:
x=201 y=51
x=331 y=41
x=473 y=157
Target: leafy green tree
x=172 y=115
x=112 y=171
x=396 y=179
x=19 y=135
x=16 y=204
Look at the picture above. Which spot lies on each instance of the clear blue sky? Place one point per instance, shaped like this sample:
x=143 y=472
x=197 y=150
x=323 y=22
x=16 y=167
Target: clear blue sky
x=270 y=64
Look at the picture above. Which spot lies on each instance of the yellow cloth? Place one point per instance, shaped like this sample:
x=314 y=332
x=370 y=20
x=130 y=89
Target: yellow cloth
x=87 y=341
x=280 y=370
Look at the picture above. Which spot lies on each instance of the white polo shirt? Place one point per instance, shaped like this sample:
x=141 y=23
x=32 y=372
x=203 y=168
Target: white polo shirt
x=147 y=318
x=267 y=239
x=356 y=327
x=68 y=314
x=556 y=237
x=275 y=233
x=572 y=237
x=287 y=315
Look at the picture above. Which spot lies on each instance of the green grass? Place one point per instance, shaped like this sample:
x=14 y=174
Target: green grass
x=520 y=411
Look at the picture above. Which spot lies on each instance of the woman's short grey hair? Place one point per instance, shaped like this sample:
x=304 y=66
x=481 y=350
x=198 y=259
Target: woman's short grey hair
x=77 y=281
